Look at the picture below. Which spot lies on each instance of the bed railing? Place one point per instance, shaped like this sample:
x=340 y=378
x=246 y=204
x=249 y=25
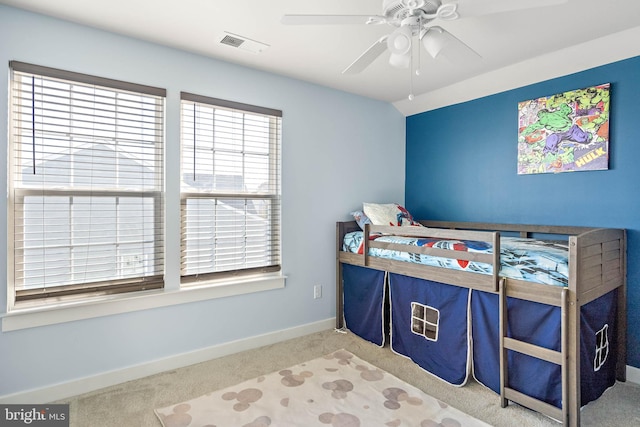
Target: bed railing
x=467 y=279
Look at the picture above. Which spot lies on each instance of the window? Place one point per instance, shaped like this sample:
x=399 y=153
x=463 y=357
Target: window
x=85 y=185
x=602 y=348
x=425 y=321
x=230 y=189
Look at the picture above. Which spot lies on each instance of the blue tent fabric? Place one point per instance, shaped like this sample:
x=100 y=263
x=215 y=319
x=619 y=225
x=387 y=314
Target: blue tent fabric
x=364 y=295
x=460 y=321
x=540 y=324
x=446 y=356
x=486 y=339
x=598 y=346
x=528 y=321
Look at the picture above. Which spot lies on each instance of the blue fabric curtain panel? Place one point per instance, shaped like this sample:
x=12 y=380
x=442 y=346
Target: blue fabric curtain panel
x=364 y=294
x=598 y=346
x=540 y=324
x=486 y=339
x=532 y=322
x=429 y=325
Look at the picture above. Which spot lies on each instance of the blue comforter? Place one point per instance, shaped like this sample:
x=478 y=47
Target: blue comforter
x=532 y=260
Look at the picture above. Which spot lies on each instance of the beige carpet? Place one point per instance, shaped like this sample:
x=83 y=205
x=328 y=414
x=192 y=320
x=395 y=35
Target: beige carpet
x=132 y=404
x=338 y=390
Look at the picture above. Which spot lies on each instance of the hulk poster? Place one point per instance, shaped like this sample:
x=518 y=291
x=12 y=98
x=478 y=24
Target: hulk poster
x=564 y=132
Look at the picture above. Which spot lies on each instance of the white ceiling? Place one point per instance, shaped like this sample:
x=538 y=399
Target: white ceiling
x=318 y=54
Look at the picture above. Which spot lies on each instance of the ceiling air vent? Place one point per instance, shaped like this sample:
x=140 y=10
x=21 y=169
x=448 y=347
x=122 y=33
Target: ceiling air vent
x=243 y=43
x=232 y=41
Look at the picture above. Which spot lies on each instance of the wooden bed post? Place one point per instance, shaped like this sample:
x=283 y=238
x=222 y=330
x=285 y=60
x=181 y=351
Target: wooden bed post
x=564 y=350
x=573 y=335
x=621 y=363
x=503 y=326
x=339 y=294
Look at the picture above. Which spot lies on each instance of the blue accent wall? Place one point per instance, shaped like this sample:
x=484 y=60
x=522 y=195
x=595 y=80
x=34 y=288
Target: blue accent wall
x=461 y=166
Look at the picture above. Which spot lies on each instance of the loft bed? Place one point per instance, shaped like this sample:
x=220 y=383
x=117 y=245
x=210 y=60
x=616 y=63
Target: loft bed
x=596 y=270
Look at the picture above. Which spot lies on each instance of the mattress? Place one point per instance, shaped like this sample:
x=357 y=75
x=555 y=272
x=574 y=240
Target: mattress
x=531 y=260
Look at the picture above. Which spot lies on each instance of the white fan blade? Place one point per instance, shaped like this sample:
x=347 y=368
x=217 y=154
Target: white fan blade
x=467 y=8
x=449 y=46
x=369 y=55
x=327 y=19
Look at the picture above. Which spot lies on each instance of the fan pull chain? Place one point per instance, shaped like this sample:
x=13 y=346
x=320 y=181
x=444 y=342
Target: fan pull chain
x=411 y=83
x=411 y=74
x=419 y=40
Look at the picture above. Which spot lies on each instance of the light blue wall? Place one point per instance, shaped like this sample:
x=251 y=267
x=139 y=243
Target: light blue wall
x=330 y=141
x=461 y=165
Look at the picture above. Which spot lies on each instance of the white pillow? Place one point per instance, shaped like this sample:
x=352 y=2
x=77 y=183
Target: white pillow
x=388 y=214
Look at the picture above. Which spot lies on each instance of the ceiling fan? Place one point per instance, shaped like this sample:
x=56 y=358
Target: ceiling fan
x=413 y=20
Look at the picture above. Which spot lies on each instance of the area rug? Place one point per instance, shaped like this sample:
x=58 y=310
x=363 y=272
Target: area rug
x=337 y=390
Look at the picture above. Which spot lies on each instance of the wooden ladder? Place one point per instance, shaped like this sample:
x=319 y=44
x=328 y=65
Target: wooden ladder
x=558 y=357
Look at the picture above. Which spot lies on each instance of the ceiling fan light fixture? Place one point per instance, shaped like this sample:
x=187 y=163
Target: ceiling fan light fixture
x=435 y=40
x=399 y=44
x=400 y=61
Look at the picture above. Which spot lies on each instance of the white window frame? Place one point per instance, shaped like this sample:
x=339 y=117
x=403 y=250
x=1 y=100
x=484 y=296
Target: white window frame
x=72 y=115
x=272 y=196
x=87 y=307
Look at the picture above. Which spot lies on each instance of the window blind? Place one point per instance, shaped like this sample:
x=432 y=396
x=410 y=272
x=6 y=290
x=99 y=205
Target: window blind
x=86 y=179
x=230 y=189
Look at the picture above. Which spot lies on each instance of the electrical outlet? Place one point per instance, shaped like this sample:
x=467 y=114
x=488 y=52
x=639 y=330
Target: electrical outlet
x=317 y=291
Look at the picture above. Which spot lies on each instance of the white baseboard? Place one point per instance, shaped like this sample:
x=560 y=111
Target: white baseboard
x=84 y=385
x=633 y=375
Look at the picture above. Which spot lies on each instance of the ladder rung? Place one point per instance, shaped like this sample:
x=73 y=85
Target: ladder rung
x=533 y=350
x=533 y=403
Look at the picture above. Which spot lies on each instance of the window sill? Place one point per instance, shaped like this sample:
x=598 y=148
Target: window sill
x=32 y=317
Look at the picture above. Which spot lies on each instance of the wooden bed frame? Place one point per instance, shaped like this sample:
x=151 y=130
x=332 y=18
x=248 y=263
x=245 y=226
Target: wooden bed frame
x=597 y=265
